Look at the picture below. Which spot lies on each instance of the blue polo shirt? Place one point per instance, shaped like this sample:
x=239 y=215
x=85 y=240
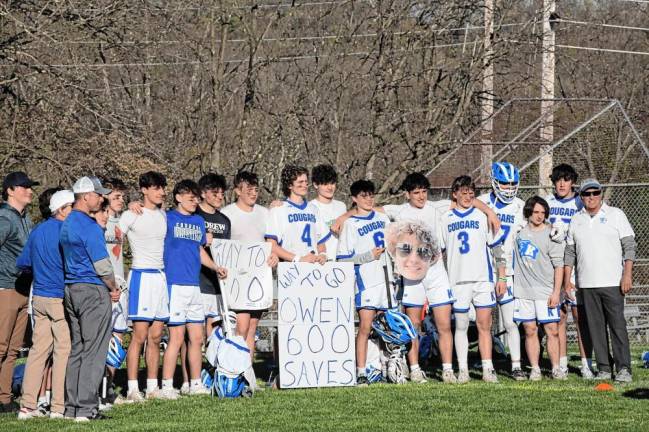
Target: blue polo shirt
x=42 y=255
x=184 y=239
x=83 y=244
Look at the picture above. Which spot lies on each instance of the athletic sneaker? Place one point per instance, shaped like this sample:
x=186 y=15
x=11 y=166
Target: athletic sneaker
x=362 y=381
x=624 y=376
x=169 y=393
x=82 y=419
x=536 y=375
x=564 y=369
x=463 y=376
x=43 y=407
x=603 y=376
x=559 y=374
x=448 y=377
x=55 y=415
x=156 y=393
x=200 y=390
x=489 y=375
x=120 y=400
x=26 y=414
x=105 y=406
x=184 y=389
x=418 y=376
x=586 y=373
x=519 y=375
x=135 y=396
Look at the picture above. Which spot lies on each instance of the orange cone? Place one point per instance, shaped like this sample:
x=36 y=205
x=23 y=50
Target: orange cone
x=604 y=387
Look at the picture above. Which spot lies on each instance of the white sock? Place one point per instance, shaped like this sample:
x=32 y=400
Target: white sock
x=133 y=386
x=516 y=365
x=151 y=384
x=563 y=362
x=538 y=369
x=360 y=371
x=42 y=399
x=447 y=366
x=195 y=383
x=462 y=340
x=167 y=383
x=487 y=364
x=585 y=362
x=414 y=367
x=513 y=335
x=48 y=396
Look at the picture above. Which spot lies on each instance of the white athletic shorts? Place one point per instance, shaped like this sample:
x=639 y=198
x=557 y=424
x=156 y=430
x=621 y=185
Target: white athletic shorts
x=371 y=293
x=437 y=286
x=535 y=310
x=185 y=305
x=434 y=288
x=148 y=298
x=508 y=297
x=212 y=305
x=120 y=314
x=480 y=294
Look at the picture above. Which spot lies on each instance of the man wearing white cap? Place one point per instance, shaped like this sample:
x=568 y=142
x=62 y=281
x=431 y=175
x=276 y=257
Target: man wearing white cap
x=89 y=289
x=51 y=335
x=601 y=245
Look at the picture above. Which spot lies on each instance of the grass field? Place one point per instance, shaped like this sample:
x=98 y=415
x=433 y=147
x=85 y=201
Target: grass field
x=509 y=405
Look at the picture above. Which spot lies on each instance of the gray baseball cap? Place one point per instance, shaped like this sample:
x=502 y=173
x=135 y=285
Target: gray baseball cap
x=90 y=184
x=590 y=183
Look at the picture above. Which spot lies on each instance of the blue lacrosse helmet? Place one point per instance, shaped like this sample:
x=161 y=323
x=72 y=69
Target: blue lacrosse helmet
x=373 y=374
x=228 y=387
x=207 y=379
x=394 y=327
x=505 y=179
x=116 y=353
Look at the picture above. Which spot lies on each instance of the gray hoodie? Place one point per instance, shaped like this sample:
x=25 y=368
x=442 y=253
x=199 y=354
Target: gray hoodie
x=14 y=230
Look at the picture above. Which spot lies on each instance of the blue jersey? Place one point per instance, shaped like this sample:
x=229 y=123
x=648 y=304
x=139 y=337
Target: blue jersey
x=83 y=244
x=183 y=241
x=42 y=254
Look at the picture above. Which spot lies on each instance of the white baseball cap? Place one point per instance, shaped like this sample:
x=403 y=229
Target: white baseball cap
x=90 y=184
x=60 y=199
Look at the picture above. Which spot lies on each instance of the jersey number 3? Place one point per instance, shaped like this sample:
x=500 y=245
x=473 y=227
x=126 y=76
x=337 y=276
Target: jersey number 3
x=463 y=237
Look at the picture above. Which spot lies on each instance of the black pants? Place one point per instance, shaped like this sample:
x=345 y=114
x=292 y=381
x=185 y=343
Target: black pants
x=604 y=308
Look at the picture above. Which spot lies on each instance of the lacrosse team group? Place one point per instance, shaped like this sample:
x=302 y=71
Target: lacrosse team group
x=453 y=260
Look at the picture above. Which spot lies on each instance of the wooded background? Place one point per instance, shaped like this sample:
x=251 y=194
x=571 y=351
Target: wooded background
x=376 y=88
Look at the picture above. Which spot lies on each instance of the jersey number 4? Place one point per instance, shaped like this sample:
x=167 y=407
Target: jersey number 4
x=306 y=235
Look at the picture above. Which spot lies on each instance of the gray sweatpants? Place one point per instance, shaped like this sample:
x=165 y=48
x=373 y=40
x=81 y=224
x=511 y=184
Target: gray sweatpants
x=605 y=308
x=89 y=312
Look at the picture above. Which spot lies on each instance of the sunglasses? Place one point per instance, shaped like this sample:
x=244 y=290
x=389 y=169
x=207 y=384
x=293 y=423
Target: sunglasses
x=591 y=193
x=405 y=249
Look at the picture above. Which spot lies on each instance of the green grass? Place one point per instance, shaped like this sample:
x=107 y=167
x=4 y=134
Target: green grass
x=554 y=406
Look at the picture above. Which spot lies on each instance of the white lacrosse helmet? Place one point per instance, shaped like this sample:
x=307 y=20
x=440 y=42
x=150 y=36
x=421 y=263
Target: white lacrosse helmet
x=397 y=368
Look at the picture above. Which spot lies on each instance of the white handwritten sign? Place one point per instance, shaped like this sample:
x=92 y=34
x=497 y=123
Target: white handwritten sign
x=316 y=324
x=249 y=285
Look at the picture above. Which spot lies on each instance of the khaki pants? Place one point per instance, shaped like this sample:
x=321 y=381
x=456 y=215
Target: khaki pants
x=51 y=337
x=13 y=322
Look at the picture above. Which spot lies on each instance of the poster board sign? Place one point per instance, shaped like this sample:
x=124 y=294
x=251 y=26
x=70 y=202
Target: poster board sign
x=316 y=324
x=249 y=285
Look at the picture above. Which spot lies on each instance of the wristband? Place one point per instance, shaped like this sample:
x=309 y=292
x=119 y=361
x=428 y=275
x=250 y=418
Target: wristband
x=502 y=279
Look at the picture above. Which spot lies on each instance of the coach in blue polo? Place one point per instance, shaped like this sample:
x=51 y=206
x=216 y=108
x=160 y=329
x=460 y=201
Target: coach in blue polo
x=89 y=289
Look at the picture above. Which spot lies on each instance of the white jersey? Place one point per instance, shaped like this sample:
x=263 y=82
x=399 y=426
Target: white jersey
x=298 y=228
x=562 y=210
x=146 y=235
x=466 y=237
x=329 y=213
x=511 y=222
x=247 y=226
x=429 y=213
x=114 y=244
x=361 y=234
